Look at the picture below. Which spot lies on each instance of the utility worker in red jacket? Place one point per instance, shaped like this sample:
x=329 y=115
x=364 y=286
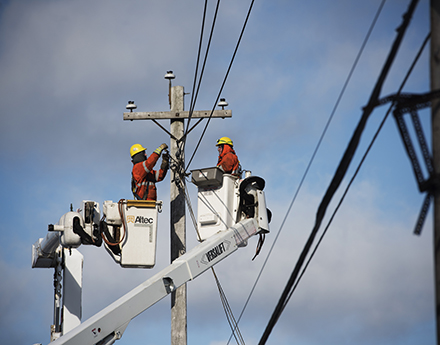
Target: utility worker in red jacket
x=143 y=176
x=227 y=159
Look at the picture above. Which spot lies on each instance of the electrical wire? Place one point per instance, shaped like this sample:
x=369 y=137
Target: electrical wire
x=229 y=315
x=341 y=171
x=182 y=141
x=193 y=217
x=233 y=324
x=360 y=164
x=372 y=25
x=223 y=84
x=197 y=62
x=228 y=311
x=194 y=95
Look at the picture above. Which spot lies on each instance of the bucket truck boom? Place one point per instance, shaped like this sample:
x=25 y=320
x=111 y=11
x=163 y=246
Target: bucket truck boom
x=109 y=324
x=230 y=211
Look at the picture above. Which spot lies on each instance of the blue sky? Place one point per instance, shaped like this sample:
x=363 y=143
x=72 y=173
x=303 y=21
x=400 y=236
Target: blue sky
x=67 y=70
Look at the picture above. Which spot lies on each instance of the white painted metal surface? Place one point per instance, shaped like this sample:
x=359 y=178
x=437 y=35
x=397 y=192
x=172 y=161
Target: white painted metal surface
x=43 y=251
x=217 y=206
x=228 y=215
x=115 y=318
x=68 y=238
x=138 y=227
x=72 y=289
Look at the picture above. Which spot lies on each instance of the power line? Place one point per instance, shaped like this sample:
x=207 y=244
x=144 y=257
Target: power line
x=372 y=25
x=360 y=164
x=194 y=94
x=192 y=103
x=340 y=172
x=230 y=316
x=223 y=84
x=228 y=310
x=182 y=142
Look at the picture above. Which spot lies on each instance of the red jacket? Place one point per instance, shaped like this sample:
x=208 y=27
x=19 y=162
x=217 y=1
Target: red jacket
x=228 y=160
x=144 y=178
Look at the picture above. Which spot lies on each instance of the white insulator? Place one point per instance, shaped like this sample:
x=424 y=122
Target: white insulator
x=169 y=75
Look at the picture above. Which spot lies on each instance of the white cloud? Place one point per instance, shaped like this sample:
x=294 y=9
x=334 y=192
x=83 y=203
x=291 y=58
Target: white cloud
x=68 y=68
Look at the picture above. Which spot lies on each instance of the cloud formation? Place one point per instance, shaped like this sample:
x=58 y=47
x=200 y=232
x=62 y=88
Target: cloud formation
x=67 y=71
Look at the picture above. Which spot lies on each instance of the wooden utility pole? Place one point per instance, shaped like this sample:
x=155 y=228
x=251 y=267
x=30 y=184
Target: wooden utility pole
x=177 y=191
x=435 y=120
x=177 y=220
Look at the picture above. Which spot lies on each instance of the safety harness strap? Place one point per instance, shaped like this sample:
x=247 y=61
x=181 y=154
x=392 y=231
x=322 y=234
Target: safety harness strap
x=136 y=186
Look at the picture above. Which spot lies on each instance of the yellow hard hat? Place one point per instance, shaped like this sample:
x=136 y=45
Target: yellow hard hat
x=224 y=140
x=136 y=148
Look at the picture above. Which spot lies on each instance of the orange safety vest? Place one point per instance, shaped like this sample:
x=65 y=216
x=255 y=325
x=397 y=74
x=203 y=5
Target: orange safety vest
x=144 y=178
x=228 y=161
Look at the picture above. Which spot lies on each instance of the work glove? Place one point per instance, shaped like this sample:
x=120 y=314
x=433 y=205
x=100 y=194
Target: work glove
x=161 y=148
x=165 y=161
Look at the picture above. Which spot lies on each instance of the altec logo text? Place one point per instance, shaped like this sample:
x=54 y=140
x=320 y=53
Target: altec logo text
x=140 y=220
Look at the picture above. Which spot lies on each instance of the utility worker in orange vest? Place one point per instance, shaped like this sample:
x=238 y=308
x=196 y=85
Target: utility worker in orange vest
x=143 y=176
x=227 y=159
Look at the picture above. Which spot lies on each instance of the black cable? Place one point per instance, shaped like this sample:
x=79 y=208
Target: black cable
x=194 y=96
x=182 y=141
x=227 y=308
x=197 y=62
x=223 y=84
x=361 y=163
x=340 y=172
x=314 y=153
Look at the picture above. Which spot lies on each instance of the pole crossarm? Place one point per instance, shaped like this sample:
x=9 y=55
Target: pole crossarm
x=172 y=115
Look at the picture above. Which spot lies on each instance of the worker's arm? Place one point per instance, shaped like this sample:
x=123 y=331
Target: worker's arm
x=162 y=172
x=143 y=168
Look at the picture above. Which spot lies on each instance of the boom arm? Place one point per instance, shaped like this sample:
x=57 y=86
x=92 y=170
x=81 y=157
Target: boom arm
x=108 y=325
